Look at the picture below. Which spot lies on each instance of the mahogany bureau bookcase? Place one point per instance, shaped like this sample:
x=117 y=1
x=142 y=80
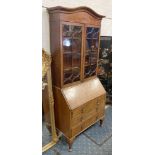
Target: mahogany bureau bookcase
x=78 y=94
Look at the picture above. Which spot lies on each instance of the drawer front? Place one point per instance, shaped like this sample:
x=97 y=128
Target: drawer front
x=77 y=120
x=76 y=130
x=100 y=114
x=89 y=121
x=100 y=101
x=88 y=114
x=85 y=109
x=89 y=109
x=89 y=106
x=86 y=123
x=100 y=108
x=77 y=112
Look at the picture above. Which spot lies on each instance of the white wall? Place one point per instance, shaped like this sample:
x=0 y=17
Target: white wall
x=45 y=30
x=103 y=7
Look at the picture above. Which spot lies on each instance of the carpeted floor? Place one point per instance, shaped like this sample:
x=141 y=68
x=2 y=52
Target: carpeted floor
x=95 y=140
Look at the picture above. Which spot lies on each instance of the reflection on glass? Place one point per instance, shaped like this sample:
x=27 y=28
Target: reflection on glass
x=66 y=42
x=90 y=71
x=92 y=32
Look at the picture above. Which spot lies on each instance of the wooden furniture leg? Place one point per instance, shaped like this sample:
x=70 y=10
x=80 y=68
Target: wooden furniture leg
x=70 y=142
x=101 y=122
x=58 y=133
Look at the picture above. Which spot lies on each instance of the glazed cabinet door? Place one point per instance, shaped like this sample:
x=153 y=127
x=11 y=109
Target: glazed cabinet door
x=91 y=51
x=72 y=52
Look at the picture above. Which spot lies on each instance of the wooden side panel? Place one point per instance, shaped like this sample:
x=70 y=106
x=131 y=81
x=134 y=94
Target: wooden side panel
x=54 y=17
x=62 y=112
x=56 y=52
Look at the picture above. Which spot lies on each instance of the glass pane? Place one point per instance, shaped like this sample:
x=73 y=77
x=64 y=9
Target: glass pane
x=92 y=32
x=71 y=75
x=67 y=45
x=93 y=58
x=91 y=53
x=68 y=76
x=87 y=71
x=72 y=37
x=76 y=74
x=76 y=45
x=92 y=44
x=76 y=60
x=67 y=60
x=90 y=70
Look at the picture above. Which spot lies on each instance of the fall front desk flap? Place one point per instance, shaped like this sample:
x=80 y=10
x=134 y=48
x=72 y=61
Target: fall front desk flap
x=79 y=94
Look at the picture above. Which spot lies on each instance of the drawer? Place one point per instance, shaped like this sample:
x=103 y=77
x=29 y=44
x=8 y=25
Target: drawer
x=100 y=108
x=88 y=109
x=89 y=113
x=76 y=120
x=83 y=124
x=100 y=114
x=82 y=117
x=90 y=106
x=77 y=112
x=89 y=121
x=100 y=101
x=77 y=129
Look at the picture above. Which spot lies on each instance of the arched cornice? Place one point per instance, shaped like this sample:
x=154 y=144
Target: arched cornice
x=77 y=9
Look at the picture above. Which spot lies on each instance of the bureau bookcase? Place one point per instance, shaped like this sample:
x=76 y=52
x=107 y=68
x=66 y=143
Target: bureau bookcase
x=78 y=94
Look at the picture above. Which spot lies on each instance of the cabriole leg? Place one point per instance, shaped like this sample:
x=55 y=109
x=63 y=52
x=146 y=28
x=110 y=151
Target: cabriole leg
x=70 y=142
x=101 y=122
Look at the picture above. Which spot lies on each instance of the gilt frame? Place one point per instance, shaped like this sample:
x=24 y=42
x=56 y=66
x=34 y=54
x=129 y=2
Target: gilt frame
x=46 y=70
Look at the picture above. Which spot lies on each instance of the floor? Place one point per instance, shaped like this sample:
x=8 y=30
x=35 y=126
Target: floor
x=95 y=140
